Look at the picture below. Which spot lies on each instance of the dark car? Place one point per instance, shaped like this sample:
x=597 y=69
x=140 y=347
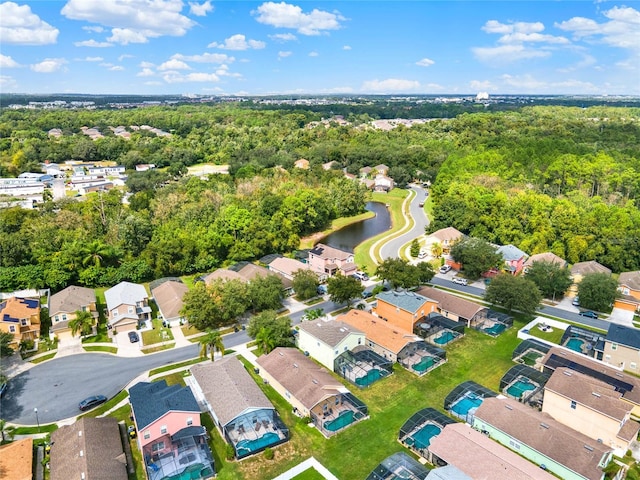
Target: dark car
x=3 y=388
x=133 y=337
x=589 y=313
x=91 y=402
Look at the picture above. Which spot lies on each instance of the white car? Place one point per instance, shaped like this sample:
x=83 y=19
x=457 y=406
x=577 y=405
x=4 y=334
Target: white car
x=422 y=254
x=445 y=268
x=460 y=281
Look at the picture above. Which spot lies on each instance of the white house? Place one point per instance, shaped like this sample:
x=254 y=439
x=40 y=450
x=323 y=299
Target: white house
x=127 y=305
x=325 y=341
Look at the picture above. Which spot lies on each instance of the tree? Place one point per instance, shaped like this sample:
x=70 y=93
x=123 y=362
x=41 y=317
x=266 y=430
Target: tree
x=551 y=278
x=211 y=341
x=82 y=323
x=305 y=284
x=265 y=293
x=5 y=340
x=399 y=273
x=436 y=249
x=476 y=256
x=313 y=314
x=425 y=272
x=270 y=331
x=265 y=340
x=198 y=308
x=597 y=291
x=95 y=253
x=6 y=431
x=343 y=289
x=514 y=293
x=415 y=248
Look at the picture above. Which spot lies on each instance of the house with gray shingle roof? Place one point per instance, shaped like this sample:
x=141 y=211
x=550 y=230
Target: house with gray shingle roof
x=325 y=341
x=622 y=347
x=64 y=305
x=629 y=288
x=127 y=305
x=245 y=416
x=514 y=258
x=170 y=435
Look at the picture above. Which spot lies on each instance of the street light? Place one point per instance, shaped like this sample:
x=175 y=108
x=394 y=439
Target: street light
x=37 y=419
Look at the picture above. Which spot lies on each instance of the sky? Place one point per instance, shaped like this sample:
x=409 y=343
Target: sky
x=319 y=47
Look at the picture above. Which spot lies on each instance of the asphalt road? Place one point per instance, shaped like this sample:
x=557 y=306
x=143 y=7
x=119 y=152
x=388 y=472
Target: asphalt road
x=392 y=248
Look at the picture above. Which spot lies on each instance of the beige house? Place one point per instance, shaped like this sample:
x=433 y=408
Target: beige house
x=168 y=297
x=629 y=288
x=325 y=341
x=64 y=305
x=591 y=407
x=580 y=269
x=287 y=267
x=21 y=318
x=326 y=260
x=445 y=237
x=302 y=163
x=547 y=257
x=127 y=306
x=622 y=347
x=455 y=307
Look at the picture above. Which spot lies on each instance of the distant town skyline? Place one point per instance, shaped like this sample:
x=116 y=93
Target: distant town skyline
x=316 y=47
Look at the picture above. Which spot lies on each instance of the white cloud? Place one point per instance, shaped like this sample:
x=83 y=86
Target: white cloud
x=93 y=43
x=390 y=85
x=153 y=82
x=174 y=64
x=346 y=47
x=19 y=26
x=93 y=59
x=283 y=37
x=144 y=64
x=116 y=68
x=205 y=58
x=7 y=62
x=493 y=26
x=313 y=54
x=122 y=57
x=507 y=53
x=285 y=15
x=529 y=84
x=482 y=85
x=132 y=21
x=223 y=71
x=93 y=28
x=282 y=54
x=7 y=83
x=200 y=9
x=518 y=37
x=425 y=62
x=175 y=77
x=48 y=65
x=238 y=42
x=145 y=72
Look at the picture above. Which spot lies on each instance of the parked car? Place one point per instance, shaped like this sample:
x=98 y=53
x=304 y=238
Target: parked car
x=366 y=294
x=363 y=277
x=576 y=302
x=91 y=402
x=133 y=337
x=460 y=281
x=445 y=268
x=321 y=290
x=422 y=254
x=589 y=314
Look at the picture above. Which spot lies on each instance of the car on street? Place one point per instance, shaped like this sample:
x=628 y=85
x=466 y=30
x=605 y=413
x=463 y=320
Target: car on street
x=91 y=402
x=133 y=337
x=576 y=302
x=445 y=268
x=460 y=281
x=589 y=314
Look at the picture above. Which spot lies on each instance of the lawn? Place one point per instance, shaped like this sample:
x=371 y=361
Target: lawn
x=309 y=474
x=158 y=334
x=553 y=337
x=100 y=348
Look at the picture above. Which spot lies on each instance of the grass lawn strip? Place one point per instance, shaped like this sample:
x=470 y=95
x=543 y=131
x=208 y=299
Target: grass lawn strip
x=100 y=348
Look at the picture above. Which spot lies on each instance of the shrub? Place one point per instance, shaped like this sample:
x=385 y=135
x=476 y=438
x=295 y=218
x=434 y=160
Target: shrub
x=230 y=453
x=268 y=453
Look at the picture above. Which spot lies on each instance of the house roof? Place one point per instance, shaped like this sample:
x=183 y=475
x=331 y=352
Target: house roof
x=381 y=166
x=630 y=279
x=447 y=234
x=366 y=170
x=288 y=266
x=329 y=253
x=541 y=432
x=378 y=331
x=90 y=446
x=452 y=303
x=548 y=257
x=124 y=293
x=229 y=388
x=300 y=376
x=13 y=309
x=448 y=472
x=71 y=299
x=409 y=301
x=584 y=268
x=331 y=333
x=511 y=253
x=168 y=296
x=623 y=335
x=150 y=401
x=223 y=274
x=480 y=457
x=251 y=271
x=590 y=392
x=16 y=459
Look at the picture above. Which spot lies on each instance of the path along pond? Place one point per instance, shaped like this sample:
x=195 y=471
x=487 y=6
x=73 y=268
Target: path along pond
x=351 y=236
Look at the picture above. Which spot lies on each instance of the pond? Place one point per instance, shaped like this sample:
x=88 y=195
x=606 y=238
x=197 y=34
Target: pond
x=351 y=236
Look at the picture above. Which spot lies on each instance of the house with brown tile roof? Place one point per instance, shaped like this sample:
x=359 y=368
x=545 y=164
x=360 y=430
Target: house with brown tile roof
x=446 y=237
x=287 y=267
x=548 y=257
x=326 y=260
x=455 y=307
x=629 y=288
x=302 y=163
x=311 y=390
x=238 y=406
x=580 y=269
x=223 y=274
x=479 y=457
x=16 y=460
x=168 y=296
x=64 y=305
x=90 y=448
x=21 y=318
x=541 y=439
x=326 y=340
x=592 y=407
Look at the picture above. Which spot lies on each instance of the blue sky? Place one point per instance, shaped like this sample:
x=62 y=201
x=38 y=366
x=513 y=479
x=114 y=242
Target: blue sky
x=316 y=47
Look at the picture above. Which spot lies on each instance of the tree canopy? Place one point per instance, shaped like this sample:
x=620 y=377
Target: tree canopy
x=597 y=291
x=551 y=279
x=476 y=256
x=342 y=289
x=515 y=293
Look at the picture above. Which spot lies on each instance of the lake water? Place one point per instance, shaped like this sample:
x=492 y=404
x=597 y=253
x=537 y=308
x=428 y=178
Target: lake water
x=349 y=237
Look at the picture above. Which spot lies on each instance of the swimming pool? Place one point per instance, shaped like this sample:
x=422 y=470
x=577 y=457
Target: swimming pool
x=495 y=329
x=575 y=344
x=519 y=387
x=465 y=404
x=370 y=377
x=344 y=419
x=424 y=364
x=422 y=438
x=245 y=447
x=445 y=338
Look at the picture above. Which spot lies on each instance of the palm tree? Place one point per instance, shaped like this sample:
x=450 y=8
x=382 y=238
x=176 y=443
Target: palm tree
x=211 y=341
x=83 y=323
x=436 y=250
x=95 y=253
x=7 y=432
x=264 y=340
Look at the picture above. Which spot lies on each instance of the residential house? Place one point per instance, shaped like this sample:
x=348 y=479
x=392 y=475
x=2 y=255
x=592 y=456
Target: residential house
x=445 y=237
x=21 y=318
x=19 y=187
x=479 y=457
x=223 y=274
x=383 y=183
x=325 y=341
x=89 y=448
x=302 y=163
x=548 y=257
x=287 y=267
x=168 y=296
x=244 y=415
x=64 y=305
x=325 y=260
x=622 y=347
x=127 y=306
x=311 y=390
x=592 y=407
x=455 y=307
x=329 y=165
x=629 y=288
x=365 y=172
x=16 y=460
x=514 y=258
x=580 y=269
x=381 y=169
x=536 y=436
x=109 y=171
x=170 y=435
x=403 y=309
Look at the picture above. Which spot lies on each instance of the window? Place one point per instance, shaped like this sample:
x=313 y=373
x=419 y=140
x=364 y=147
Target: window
x=189 y=420
x=359 y=341
x=163 y=429
x=336 y=352
x=24 y=322
x=573 y=404
x=64 y=317
x=147 y=435
x=57 y=318
x=157 y=447
x=514 y=444
x=130 y=309
x=84 y=308
x=12 y=329
x=633 y=366
x=614 y=346
x=607 y=357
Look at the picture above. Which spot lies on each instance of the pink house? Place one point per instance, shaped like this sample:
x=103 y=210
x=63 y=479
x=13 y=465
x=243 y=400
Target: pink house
x=170 y=434
x=329 y=261
x=514 y=258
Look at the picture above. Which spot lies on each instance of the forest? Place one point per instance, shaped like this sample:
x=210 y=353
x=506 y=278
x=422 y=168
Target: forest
x=564 y=179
